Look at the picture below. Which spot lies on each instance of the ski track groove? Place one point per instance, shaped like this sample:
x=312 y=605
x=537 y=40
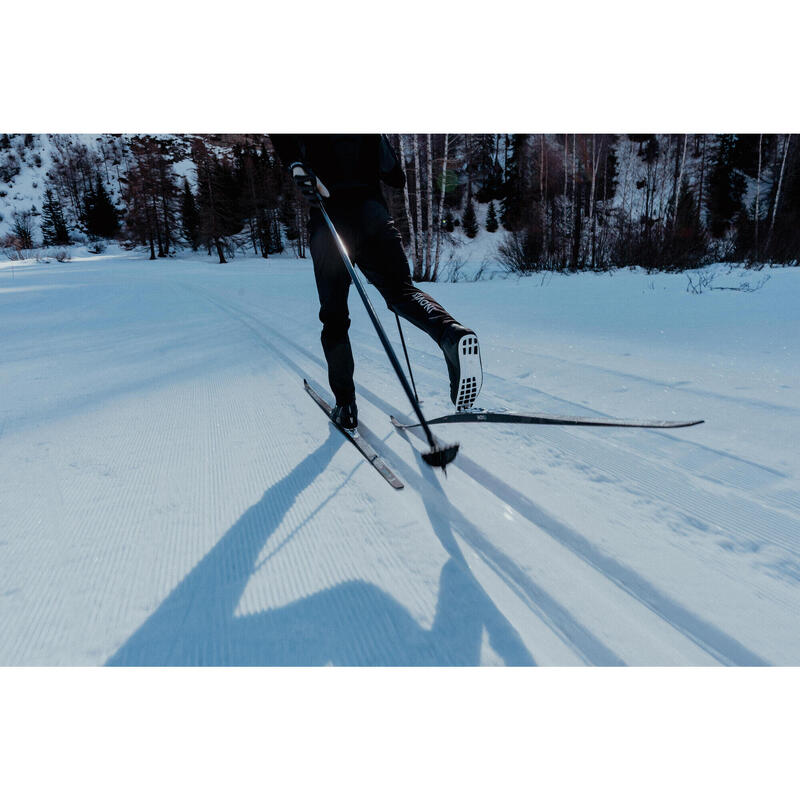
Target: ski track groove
x=314 y=555
x=759 y=404
x=724 y=512
x=311 y=564
x=756 y=523
x=210 y=620
x=702 y=633
x=589 y=649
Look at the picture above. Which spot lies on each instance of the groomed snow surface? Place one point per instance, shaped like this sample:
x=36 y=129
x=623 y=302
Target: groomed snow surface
x=170 y=495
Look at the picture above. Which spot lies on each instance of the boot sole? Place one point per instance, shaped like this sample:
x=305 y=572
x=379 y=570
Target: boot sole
x=470 y=372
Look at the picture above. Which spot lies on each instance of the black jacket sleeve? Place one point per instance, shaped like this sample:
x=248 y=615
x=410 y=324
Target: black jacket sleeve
x=391 y=170
x=288 y=147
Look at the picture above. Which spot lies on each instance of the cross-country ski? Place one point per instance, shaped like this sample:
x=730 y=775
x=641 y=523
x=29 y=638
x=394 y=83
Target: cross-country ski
x=509 y=417
x=356 y=436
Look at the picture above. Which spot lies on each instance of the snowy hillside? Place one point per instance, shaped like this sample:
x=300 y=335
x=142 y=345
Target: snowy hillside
x=170 y=495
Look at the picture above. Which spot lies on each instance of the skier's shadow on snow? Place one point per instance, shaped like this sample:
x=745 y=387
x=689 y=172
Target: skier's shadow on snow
x=352 y=623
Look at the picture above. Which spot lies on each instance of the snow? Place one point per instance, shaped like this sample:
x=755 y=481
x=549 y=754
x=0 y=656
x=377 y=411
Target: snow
x=170 y=495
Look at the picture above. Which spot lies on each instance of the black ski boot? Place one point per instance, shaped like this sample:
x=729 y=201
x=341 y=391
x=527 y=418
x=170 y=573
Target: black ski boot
x=463 y=357
x=346 y=415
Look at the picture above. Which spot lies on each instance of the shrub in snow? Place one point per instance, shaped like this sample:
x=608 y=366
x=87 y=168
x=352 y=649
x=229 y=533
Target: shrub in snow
x=520 y=252
x=62 y=255
x=97 y=247
x=9 y=168
x=12 y=248
x=23 y=228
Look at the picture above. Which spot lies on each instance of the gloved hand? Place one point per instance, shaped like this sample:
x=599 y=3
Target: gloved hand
x=308 y=183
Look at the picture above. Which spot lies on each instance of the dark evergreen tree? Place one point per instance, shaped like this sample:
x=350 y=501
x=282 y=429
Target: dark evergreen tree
x=102 y=218
x=514 y=205
x=483 y=168
x=491 y=218
x=726 y=187
x=470 y=221
x=54 y=226
x=190 y=217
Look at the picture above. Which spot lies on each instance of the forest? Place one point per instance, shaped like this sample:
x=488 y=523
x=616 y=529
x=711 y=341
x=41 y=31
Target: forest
x=561 y=202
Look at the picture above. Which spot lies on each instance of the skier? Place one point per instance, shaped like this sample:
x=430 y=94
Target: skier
x=346 y=170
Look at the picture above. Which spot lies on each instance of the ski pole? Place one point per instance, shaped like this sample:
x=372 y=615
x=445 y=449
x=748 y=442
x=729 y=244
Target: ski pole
x=438 y=456
x=405 y=351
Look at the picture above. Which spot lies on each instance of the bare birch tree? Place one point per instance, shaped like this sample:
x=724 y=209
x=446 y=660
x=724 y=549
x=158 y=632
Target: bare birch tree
x=411 y=233
x=443 y=190
x=679 y=181
x=429 y=198
x=778 y=190
x=418 y=195
x=758 y=196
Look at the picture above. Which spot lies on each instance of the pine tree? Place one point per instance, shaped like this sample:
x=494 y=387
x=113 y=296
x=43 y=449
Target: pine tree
x=491 y=218
x=54 y=226
x=726 y=187
x=514 y=203
x=470 y=221
x=102 y=219
x=190 y=217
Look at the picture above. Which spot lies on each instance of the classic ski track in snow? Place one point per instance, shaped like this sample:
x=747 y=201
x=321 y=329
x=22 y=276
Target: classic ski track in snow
x=710 y=639
x=188 y=505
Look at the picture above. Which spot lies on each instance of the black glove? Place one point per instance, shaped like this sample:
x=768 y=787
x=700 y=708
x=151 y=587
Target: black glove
x=308 y=183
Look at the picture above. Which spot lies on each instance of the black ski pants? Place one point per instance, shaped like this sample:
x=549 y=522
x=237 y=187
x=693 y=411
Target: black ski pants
x=375 y=246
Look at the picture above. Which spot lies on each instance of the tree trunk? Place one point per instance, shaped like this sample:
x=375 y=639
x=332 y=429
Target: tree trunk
x=429 y=237
x=702 y=181
x=412 y=238
x=418 y=198
x=441 y=209
x=758 y=194
x=543 y=198
x=680 y=180
x=575 y=211
x=595 y=165
x=220 y=253
x=778 y=190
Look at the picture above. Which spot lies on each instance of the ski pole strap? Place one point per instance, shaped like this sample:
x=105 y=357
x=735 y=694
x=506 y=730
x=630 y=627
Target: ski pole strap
x=405 y=352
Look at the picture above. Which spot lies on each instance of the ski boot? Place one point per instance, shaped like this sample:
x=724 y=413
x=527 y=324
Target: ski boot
x=346 y=416
x=463 y=357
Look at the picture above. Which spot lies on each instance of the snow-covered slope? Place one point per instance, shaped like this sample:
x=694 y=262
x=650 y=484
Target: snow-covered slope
x=170 y=495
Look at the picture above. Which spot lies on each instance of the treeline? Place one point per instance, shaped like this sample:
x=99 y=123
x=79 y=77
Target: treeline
x=552 y=201
x=590 y=201
x=224 y=194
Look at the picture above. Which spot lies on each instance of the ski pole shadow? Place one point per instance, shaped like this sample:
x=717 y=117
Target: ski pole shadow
x=446 y=521
x=708 y=636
